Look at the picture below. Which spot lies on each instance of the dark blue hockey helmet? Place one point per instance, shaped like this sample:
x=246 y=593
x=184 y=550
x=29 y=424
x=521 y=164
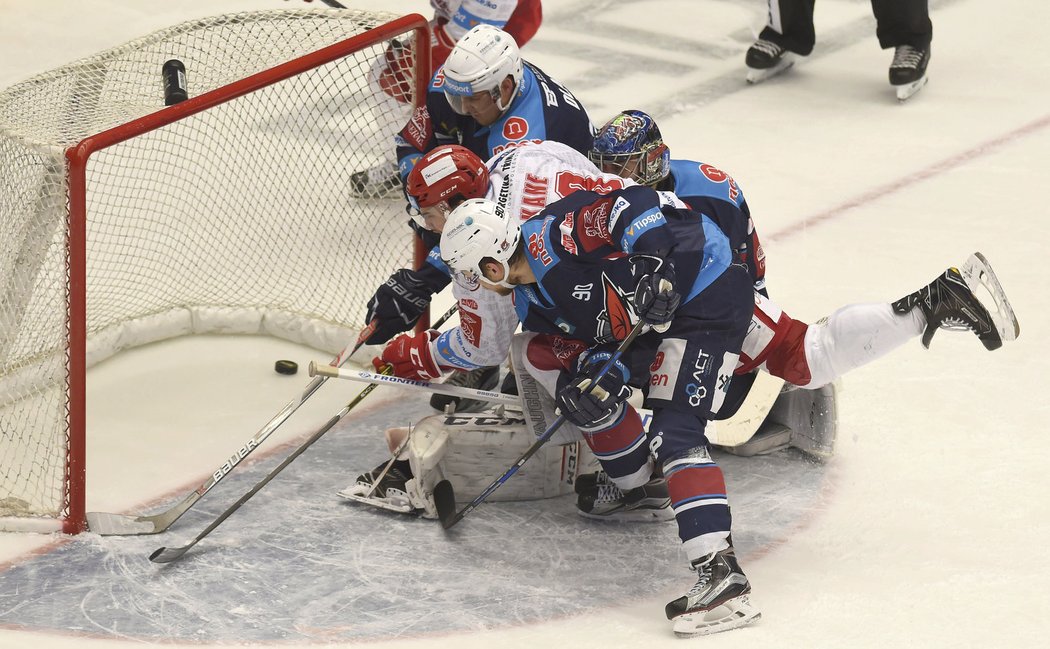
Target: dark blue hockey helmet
x=632 y=137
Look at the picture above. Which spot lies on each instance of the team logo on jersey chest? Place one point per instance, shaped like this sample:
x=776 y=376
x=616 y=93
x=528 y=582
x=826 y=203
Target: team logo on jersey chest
x=515 y=128
x=616 y=319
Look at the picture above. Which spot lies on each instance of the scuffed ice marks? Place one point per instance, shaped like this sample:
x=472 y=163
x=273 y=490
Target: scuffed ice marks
x=297 y=563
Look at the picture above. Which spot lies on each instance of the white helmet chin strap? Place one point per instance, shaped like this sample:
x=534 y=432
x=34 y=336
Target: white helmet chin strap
x=503 y=282
x=499 y=98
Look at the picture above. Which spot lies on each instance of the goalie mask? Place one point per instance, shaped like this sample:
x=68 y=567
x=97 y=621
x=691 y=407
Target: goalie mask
x=479 y=63
x=479 y=229
x=445 y=173
x=632 y=137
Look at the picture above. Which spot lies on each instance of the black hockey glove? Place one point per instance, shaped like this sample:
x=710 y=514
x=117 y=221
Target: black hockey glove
x=591 y=409
x=656 y=296
x=397 y=304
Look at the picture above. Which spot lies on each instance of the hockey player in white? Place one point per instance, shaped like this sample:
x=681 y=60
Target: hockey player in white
x=524 y=179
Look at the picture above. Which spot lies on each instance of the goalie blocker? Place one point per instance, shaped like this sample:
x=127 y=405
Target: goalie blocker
x=470 y=450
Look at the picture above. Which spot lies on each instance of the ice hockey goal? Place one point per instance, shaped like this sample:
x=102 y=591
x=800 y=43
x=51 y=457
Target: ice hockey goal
x=126 y=221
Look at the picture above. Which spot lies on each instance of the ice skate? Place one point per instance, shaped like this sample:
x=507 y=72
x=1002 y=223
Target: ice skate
x=483 y=378
x=383 y=487
x=598 y=498
x=766 y=59
x=951 y=302
x=908 y=70
x=380 y=181
x=717 y=602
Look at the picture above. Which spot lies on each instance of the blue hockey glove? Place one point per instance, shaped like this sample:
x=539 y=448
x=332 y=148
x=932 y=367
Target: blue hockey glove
x=655 y=297
x=591 y=409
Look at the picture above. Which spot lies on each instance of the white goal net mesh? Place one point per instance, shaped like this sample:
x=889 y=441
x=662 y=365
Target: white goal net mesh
x=237 y=219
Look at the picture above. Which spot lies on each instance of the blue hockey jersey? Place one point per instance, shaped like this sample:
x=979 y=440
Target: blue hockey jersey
x=542 y=109
x=588 y=251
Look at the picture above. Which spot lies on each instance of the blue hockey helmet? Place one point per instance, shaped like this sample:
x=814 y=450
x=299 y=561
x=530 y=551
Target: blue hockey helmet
x=632 y=136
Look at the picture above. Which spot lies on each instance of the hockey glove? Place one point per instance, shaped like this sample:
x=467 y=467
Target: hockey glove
x=655 y=297
x=591 y=409
x=410 y=357
x=397 y=305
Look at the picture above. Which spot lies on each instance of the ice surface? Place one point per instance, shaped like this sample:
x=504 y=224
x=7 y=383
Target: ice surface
x=928 y=528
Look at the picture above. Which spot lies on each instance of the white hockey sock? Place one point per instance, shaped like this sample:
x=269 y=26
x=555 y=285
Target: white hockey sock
x=854 y=336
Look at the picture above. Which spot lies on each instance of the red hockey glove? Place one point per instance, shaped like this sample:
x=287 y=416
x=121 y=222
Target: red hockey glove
x=410 y=357
x=441 y=45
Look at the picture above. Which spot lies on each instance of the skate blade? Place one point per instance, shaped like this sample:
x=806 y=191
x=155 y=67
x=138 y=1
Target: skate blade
x=755 y=75
x=977 y=272
x=662 y=515
x=732 y=614
x=907 y=90
x=375 y=502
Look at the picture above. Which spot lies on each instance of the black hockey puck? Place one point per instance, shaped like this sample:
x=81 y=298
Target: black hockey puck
x=286 y=367
x=174 y=74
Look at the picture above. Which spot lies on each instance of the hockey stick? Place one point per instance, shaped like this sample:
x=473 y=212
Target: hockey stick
x=369 y=377
x=167 y=555
x=445 y=498
x=106 y=524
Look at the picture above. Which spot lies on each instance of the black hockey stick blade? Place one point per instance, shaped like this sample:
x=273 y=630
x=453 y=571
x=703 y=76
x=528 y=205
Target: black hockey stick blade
x=445 y=501
x=167 y=555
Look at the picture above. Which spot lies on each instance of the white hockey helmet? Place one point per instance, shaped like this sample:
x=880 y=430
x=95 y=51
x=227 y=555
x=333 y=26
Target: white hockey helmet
x=476 y=230
x=480 y=61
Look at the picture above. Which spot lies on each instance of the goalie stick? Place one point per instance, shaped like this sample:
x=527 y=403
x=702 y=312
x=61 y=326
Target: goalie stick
x=444 y=496
x=369 y=377
x=167 y=555
x=106 y=524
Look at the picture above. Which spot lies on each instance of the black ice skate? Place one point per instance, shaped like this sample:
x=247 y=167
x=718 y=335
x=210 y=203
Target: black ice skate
x=383 y=487
x=600 y=499
x=950 y=302
x=717 y=602
x=378 y=182
x=483 y=378
x=766 y=59
x=908 y=70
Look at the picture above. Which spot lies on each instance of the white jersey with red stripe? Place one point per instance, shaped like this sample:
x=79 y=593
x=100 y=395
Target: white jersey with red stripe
x=523 y=180
x=811 y=356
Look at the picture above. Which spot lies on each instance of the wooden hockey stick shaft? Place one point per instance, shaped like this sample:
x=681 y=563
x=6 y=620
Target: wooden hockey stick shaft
x=167 y=555
x=106 y=524
x=453 y=390
x=445 y=499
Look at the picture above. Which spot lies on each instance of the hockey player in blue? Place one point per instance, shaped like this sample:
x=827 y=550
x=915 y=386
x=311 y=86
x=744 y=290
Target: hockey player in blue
x=630 y=145
x=487 y=99
x=588 y=267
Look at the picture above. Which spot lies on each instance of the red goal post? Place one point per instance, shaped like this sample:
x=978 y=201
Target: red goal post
x=230 y=212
